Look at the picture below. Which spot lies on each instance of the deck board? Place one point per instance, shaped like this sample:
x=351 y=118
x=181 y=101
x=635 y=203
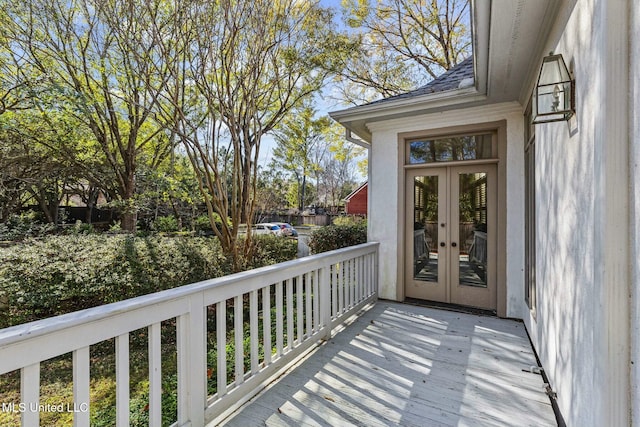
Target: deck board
x=406 y=365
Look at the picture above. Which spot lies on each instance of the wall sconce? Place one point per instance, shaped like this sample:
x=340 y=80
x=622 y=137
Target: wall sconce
x=553 y=98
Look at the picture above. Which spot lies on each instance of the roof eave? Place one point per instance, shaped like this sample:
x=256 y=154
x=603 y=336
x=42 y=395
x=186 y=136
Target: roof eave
x=355 y=118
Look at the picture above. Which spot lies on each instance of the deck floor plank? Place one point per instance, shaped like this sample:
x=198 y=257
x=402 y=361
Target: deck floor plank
x=406 y=365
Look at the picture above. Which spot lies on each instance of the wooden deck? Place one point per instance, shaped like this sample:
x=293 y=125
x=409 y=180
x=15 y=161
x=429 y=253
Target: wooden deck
x=405 y=365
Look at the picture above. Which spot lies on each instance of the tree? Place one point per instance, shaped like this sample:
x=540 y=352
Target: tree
x=402 y=44
x=299 y=147
x=338 y=169
x=239 y=69
x=41 y=154
x=15 y=90
x=271 y=194
x=97 y=56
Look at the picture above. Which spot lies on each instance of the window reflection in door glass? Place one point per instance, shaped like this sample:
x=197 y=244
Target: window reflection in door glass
x=425 y=228
x=468 y=147
x=472 y=211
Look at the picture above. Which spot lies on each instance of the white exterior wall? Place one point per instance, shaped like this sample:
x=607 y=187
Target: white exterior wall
x=634 y=160
x=582 y=329
x=586 y=328
x=386 y=179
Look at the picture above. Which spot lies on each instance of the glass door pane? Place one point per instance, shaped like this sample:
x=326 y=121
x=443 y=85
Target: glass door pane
x=426 y=231
x=472 y=218
x=425 y=228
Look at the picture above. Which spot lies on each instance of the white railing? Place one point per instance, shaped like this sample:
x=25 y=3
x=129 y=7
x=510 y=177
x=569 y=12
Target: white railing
x=304 y=299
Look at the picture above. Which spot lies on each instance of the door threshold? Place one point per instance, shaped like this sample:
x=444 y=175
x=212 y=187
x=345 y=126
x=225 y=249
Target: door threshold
x=451 y=307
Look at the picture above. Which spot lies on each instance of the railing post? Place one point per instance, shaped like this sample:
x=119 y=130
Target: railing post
x=122 y=380
x=30 y=394
x=197 y=341
x=325 y=301
x=376 y=271
x=81 y=377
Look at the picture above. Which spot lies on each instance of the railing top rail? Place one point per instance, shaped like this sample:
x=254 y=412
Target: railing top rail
x=270 y=273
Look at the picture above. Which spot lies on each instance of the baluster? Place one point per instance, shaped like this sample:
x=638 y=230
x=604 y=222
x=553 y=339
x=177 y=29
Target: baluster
x=30 y=394
x=239 y=341
x=290 y=315
x=266 y=323
x=122 y=380
x=368 y=269
x=197 y=359
x=183 y=350
x=255 y=340
x=307 y=292
x=341 y=270
x=81 y=377
x=349 y=289
x=325 y=301
x=221 y=347
x=316 y=298
x=300 y=306
x=279 y=320
x=360 y=278
x=334 y=290
x=155 y=376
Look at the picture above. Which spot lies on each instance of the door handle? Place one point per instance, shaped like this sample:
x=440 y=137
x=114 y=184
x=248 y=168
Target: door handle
x=454 y=244
x=442 y=244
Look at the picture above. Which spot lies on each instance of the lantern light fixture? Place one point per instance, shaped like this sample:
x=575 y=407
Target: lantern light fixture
x=553 y=98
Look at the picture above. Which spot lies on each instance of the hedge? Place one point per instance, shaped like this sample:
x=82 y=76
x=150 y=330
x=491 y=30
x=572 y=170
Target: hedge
x=54 y=275
x=337 y=236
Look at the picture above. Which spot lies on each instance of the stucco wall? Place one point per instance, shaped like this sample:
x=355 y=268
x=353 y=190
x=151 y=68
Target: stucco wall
x=386 y=179
x=634 y=160
x=581 y=330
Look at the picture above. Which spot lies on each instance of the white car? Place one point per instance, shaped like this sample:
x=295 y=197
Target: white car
x=267 y=228
x=287 y=229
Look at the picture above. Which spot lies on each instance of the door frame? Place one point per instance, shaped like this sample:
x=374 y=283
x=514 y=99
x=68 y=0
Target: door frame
x=500 y=130
x=448 y=289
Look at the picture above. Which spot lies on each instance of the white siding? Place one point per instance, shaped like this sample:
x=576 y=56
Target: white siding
x=386 y=180
x=587 y=324
x=581 y=330
x=634 y=160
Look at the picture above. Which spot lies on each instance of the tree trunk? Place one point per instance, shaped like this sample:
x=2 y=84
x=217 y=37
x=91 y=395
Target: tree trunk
x=304 y=185
x=129 y=219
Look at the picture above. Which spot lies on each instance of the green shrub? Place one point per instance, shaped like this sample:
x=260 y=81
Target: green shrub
x=80 y=228
x=24 y=225
x=270 y=249
x=165 y=224
x=337 y=236
x=202 y=225
x=347 y=220
x=58 y=274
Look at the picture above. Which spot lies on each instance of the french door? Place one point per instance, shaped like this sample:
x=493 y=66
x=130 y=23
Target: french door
x=451 y=235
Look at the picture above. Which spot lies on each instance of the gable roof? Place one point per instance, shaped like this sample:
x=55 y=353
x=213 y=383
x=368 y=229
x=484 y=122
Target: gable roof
x=459 y=77
x=356 y=191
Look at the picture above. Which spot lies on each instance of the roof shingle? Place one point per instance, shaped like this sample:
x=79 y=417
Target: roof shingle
x=460 y=75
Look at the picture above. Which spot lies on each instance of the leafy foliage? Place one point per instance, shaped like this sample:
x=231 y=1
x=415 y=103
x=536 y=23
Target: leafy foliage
x=166 y=223
x=402 y=44
x=244 y=66
x=298 y=152
x=269 y=249
x=21 y=226
x=337 y=236
x=60 y=274
x=350 y=220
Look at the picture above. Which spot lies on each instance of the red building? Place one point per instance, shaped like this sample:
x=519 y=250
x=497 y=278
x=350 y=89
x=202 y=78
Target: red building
x=356 y=202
